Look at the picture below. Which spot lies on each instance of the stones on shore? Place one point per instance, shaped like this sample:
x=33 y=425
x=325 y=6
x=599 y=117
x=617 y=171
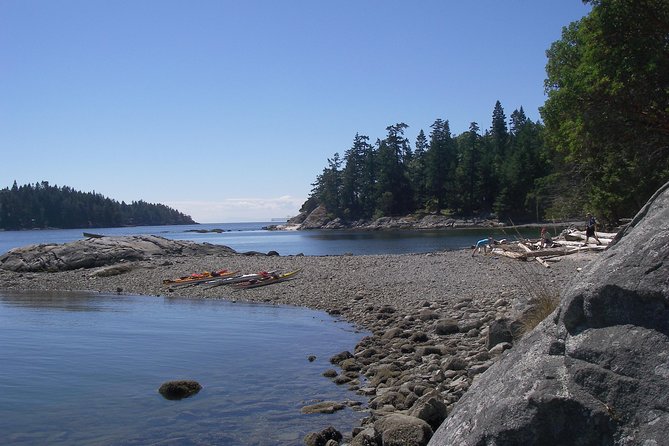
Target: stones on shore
x=177 y=390
x=340 y=357
x=498 y=332
x=113 y=270
x=445 y=327
x=403 y=430
x=414 y=367
x=327 y=437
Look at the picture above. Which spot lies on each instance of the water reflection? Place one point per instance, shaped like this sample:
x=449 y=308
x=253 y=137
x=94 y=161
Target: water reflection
x=62 y=300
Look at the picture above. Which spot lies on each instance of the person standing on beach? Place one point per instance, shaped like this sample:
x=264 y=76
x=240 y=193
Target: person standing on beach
x=483 y=243
x=590 y=229
x=546 y=240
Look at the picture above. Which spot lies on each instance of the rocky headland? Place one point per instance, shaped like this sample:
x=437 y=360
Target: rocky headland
x=441 y=323
x=319 y=218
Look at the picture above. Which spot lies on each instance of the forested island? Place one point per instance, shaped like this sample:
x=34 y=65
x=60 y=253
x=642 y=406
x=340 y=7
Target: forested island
x=42 y=205
x=603 y=145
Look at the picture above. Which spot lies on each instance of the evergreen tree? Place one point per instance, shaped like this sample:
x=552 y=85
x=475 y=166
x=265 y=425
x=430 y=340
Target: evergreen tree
x=499 y=132
x=524 y=163
x=327 y=188
x=468 y=170
x=394 y=189
x=355 y=187
x=418 y=170
x=441 y=164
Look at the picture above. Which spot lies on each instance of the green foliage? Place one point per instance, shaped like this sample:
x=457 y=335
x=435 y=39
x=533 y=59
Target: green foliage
x=44 y=206
x=608 y=102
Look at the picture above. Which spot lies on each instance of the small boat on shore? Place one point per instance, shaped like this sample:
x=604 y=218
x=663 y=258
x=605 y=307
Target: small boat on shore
x=274 y=278
x=200 y=277
x=238 y=279
x=91 y=235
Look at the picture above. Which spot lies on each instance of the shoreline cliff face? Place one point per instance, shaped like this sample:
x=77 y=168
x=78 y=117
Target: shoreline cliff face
x=597 y=370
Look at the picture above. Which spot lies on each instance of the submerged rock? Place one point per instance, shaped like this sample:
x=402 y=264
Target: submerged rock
x=323 y=407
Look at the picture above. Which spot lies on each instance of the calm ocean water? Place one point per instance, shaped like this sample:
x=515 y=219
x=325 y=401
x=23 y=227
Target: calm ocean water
x=251 y=237
x=81 y=369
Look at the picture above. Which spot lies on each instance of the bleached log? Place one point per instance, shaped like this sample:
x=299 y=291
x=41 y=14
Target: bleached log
x=510 y=254
x=605 y=242
x=543 y=262
x=591 y=247
x=569 y=243
x=525 y=247
x=545 y=252
x=580 y=235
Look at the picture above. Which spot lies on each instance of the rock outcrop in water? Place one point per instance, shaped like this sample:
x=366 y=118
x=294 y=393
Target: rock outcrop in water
x=597 y=370
x=177 y=390
x=103 y=251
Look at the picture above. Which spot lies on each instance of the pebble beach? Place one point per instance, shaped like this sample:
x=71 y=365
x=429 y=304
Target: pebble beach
x=428 y=314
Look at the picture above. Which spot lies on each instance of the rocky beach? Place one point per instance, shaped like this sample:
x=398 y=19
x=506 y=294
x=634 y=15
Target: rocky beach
x=437 y=320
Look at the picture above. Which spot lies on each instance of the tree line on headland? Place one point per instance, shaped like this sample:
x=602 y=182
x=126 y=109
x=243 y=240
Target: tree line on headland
x=44 y=206
x=603 y=145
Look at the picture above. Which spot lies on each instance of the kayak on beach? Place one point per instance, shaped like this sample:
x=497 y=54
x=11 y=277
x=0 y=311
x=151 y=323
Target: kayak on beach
x=238 y=279
x=200 y=277
x=273 y=278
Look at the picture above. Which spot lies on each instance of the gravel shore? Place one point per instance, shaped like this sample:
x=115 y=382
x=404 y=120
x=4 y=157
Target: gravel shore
x=428 y=313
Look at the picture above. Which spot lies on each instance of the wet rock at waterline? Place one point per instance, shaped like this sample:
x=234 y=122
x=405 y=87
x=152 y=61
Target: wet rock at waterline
x=326 y=437
x=323 y=407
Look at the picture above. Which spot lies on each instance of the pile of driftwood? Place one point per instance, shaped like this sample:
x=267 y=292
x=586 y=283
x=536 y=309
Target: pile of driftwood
x=568 y=242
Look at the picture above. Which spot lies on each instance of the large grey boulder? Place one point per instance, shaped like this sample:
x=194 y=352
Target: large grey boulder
x=595 y=372
x=95 y=252
x=403 y=430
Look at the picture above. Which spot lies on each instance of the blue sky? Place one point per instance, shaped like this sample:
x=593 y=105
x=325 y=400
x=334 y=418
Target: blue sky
x=228 y=110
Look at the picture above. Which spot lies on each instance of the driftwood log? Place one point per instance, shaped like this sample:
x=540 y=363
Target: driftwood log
x=569 y=242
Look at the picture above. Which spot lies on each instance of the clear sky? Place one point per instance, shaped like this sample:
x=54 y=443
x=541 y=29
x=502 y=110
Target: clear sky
x=227 y=110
